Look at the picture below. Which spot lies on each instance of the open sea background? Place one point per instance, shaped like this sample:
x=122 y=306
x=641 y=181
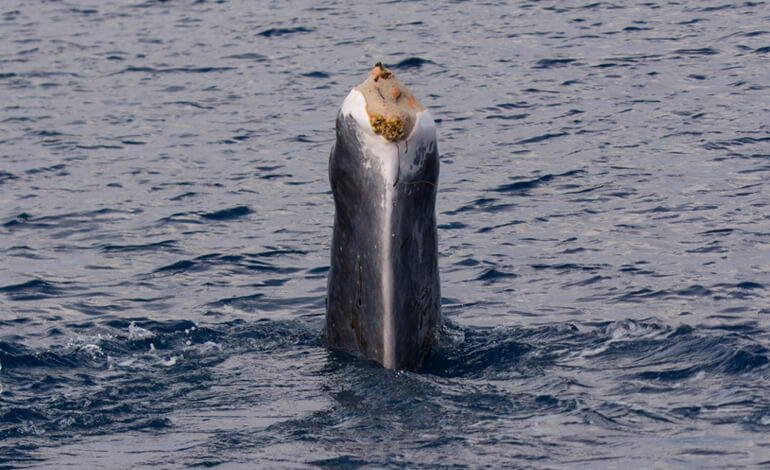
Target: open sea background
x=165 y=221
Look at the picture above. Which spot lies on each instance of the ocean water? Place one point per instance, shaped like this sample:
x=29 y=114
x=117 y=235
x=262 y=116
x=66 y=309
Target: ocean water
x=165 y=221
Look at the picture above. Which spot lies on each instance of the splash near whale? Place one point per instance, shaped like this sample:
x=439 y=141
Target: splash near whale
x=384 y=296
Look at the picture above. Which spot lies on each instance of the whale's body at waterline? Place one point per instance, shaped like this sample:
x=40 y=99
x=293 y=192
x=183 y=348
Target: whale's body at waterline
x=384 y=295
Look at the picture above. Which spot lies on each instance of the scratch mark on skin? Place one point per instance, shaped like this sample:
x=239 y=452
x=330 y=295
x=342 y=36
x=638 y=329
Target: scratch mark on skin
x=354 y=314
x=398 y=167
x=422 y=181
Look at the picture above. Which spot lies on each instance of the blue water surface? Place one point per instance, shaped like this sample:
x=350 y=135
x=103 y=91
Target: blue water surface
x=604 y=231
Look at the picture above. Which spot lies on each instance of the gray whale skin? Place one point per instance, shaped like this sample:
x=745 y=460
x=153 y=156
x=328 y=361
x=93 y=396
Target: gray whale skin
x=383 y=295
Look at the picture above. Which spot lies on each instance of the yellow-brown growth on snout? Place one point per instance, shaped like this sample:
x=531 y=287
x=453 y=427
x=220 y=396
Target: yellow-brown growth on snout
x=392 y=109
x=392 y=129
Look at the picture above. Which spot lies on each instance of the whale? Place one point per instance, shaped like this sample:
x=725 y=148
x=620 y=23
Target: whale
x=383 y=298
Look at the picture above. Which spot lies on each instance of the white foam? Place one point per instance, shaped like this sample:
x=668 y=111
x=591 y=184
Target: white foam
x=171 y=361
x=137 y=333
x=93 y=349
x=127 y=363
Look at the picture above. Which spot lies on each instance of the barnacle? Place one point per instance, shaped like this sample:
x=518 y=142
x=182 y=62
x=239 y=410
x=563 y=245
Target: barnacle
x=392 y=129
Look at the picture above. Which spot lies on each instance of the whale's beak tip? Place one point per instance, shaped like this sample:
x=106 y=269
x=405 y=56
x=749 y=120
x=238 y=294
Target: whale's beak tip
x=391 y=107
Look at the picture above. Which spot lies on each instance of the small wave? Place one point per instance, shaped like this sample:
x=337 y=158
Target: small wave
x=636 y=29
x=279 y=252
x=67 y=220
x=191 y=104
x=748 y=285
x=540 y=138
x=412 y=63
x=509 y=117
x=343 y=461
x=566 y=267
x=99 y=147
x=316 y=74
x=485 y=204
x=642 y=295
x=165 y=244
x=6 y=176
x=552 y=63
x=518 y=105
x=181 y=266
x=253 y=56
x=84 y=11
x=228 y=214
x=701 y=51
x=523 y=186
x=277 y=32
x=492 y=275
x=35 y=289
x=171 y=70
x=744 y=360
x=183 y=196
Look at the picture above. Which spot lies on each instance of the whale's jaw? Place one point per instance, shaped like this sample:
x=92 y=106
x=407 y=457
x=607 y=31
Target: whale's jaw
x=384 y=299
